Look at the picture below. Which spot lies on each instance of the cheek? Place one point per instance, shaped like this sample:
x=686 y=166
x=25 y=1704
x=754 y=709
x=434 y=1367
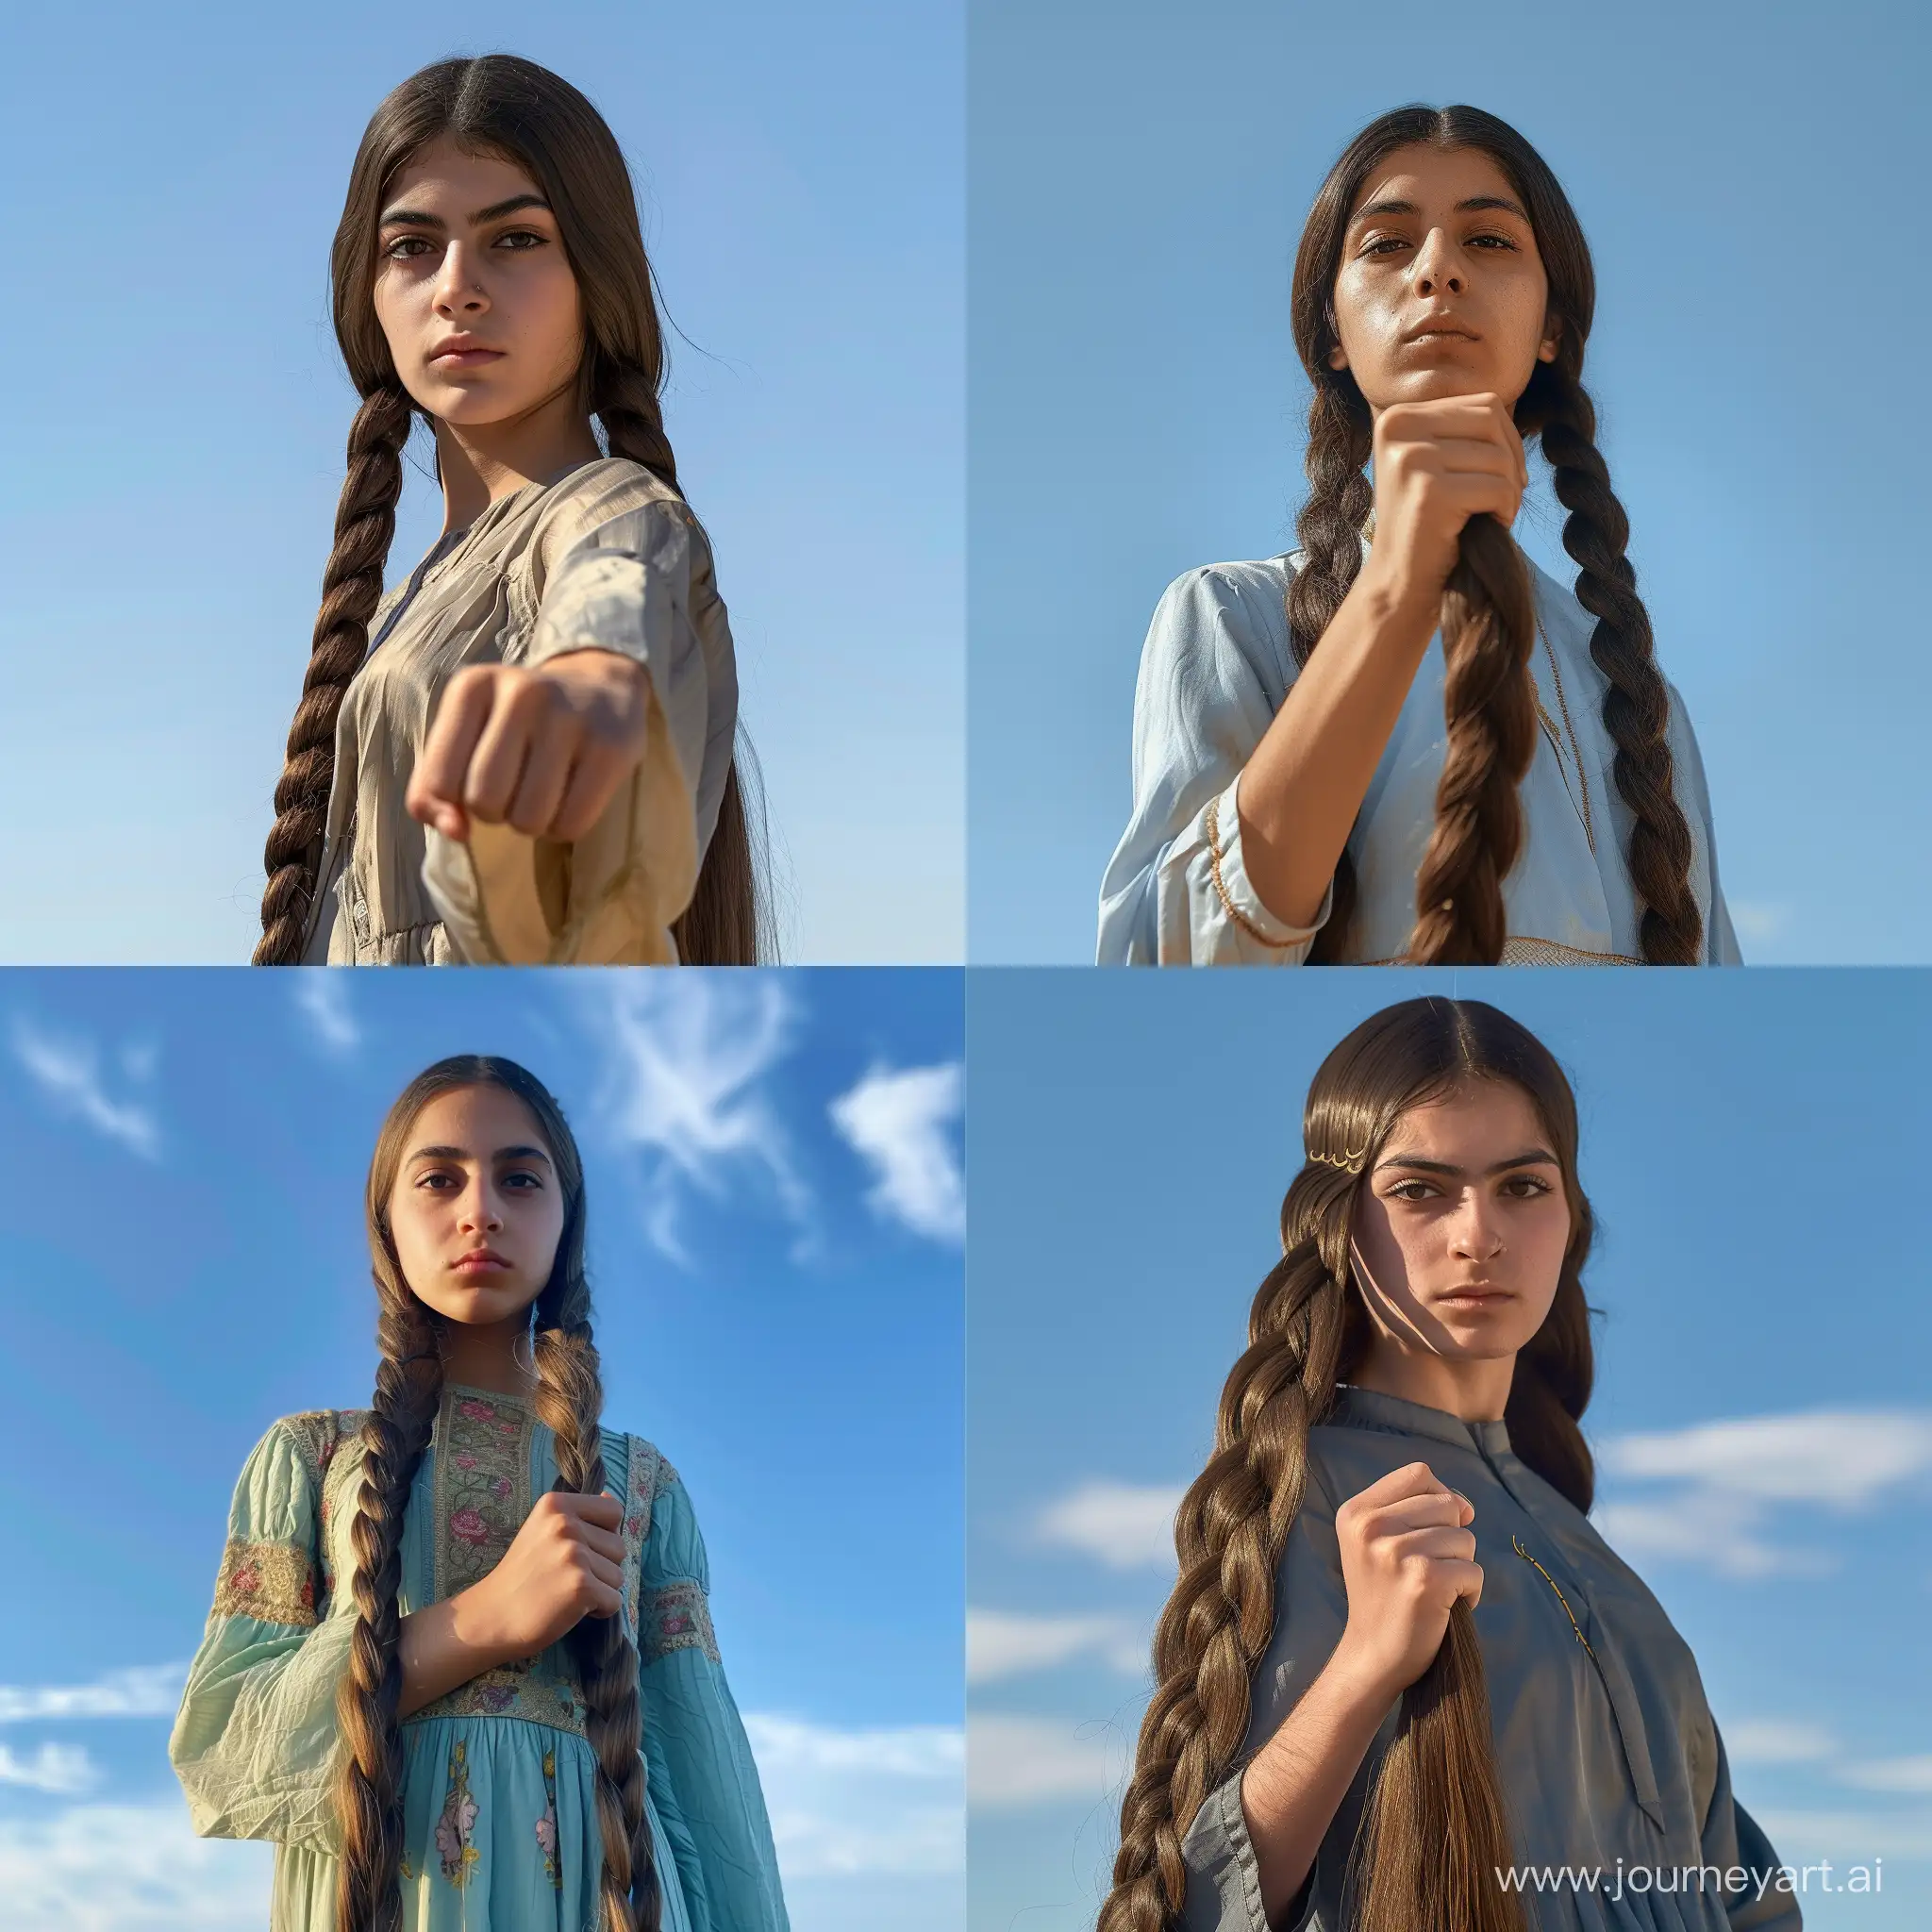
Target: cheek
x=1394 y=1248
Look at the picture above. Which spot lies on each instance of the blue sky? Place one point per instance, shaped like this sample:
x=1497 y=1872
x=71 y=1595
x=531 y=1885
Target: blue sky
x=1137 y=407
x=1753 y=1147
x=773 y=1169
x=176 y=440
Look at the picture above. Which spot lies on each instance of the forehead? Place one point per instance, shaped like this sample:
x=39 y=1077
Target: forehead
x=1434 y=179
x=1475 y=1123
x=478 y=1119
x=441 y=175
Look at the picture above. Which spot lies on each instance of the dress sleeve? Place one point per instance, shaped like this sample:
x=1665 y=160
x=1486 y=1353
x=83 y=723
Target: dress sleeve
x=1734 y=1845
x=1176 y=890
x=256 y=1733
x=698 y=1760
x=1311 y=1610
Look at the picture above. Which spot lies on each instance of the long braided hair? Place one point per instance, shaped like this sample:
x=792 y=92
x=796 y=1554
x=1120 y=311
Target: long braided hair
x=408 y=1388
x=1434 y=1826
x=498 y=104
x=1488 y=616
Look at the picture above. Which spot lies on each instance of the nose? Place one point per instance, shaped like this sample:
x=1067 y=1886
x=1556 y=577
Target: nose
x=458 y=291
x=1475 y=1234
x=1439 y=265
x=480 y=1213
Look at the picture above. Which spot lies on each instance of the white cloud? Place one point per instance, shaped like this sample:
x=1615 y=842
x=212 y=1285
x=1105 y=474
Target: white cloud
x=144 y=1691
x=1854 y=1836
x=1000 y=1643
x=1760 y=919
x=321 y=997
x=1122 y=1525
x=1913 y=1775
x=689 y=1055
x=1013 y=1761
x=1712 y=1527
x=1776 y=1740
x=129 y=1868
x=63 y=1768
x=68 y=1071
x=853 y=1803
x=897 y=1123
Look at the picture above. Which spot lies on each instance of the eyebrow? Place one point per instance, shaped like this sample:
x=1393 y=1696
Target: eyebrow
x=1474 y=204
x=463 y=1153
x=417 y=218
x=1533 y=1156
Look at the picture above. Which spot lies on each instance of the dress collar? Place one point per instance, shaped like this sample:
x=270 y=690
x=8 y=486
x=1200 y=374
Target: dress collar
x=1368 y=1409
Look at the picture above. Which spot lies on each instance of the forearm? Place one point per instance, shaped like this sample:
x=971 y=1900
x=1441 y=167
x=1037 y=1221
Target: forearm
x=1294 y=1785
x=445 y=1645
x=1302 y=788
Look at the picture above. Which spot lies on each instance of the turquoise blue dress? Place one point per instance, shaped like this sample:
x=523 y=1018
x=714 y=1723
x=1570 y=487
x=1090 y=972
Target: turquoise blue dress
x=500 y=1819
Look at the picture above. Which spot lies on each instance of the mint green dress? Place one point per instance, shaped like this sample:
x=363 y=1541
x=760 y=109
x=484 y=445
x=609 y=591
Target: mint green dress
x=500 y=1818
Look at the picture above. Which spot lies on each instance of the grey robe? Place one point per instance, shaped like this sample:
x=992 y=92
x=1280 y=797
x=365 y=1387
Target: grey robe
x=1601 y=1757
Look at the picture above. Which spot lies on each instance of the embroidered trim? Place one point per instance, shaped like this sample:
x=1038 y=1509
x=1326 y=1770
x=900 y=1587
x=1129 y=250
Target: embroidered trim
x=648 y=1472
x=1211 y=823
x=456 y=1826
x=1516 y=1543
x=677 y=1618
x=513 y=1689
x=274 y=1583
x=482 y=1487
x=546 y=1825
x=1526 y=951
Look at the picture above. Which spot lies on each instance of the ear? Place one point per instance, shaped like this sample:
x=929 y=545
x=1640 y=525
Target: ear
x=1553 y=337
x=1338 y=357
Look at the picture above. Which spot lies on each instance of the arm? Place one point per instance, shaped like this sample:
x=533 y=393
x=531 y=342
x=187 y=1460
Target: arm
x=701 y=1775
x=1733 y=1842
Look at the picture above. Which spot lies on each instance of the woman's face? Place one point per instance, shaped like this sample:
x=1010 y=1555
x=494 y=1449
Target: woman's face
x=473 y=290
x=477 y=1209
x=1462 y=1225
x=1441 y=291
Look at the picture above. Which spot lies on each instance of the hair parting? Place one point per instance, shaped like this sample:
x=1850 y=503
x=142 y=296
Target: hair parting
x=1434 y=1821
x=395 y=1435
x=1488 y=614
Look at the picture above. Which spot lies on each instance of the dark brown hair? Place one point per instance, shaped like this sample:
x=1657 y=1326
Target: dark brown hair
x=495 y=104
x=1434 y=1824
x=408 y=1388
x=1489 y=618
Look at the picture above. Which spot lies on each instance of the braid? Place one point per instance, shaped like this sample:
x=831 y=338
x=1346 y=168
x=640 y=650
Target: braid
x=1488 y=629
x=570 y=1398
x=369 y=1770
x=1636 y=706
x=351 y=588
x=1329 y=533
x=624 y=399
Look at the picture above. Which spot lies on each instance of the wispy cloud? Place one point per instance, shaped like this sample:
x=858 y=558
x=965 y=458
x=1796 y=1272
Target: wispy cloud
x=1736 y=1482
x=321 y=997
x=1777 y=1741
x=1126 y=1526
x=1013 y=1761
x=862 y=1802
x=899 y=1122
x=1855 y=1836
x=1002 y=1643
x=1760 y=919
x=59 y=1768
x=1912 y=1774
x=68 y=1071
x=142 y=1691
x=687 y=1090
x=129 y=1868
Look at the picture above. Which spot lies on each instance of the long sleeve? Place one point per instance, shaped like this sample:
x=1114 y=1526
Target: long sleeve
x=1213 y=672
x=256 y=1732
x=698 y=1760
x=1733 y=1842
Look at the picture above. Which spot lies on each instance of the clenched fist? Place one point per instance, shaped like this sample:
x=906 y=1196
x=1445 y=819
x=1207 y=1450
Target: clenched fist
x=566 y=1563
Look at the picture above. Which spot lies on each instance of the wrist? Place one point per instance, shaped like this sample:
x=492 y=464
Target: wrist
x=1359 y=1678
x=477 y=1624
x=1397 y=604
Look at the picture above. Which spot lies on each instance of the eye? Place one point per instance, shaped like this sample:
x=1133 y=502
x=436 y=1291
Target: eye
x=520 y=241
x=1526 y=1186
x=1410 y=1190
x=439 y=1180
x=1492 y=242
x=1384 y=244
x=406 y=247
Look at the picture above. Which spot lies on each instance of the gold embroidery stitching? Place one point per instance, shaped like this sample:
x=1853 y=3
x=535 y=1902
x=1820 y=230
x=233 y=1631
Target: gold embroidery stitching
x=647 y=1470
x=1515 y=1543
x=1212 y=826
x=678 y=1618
x=482 y=1485
x=272 y=1582
x=513 y=1689
x=1521 y=950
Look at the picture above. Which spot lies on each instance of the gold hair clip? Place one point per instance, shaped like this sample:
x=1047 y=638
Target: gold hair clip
x=1348 y=1163
x=1516 y=1545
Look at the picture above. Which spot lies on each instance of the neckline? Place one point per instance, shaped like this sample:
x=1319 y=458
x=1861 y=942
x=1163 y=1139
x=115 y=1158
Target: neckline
x=468 y=1389
x=1370 y=1408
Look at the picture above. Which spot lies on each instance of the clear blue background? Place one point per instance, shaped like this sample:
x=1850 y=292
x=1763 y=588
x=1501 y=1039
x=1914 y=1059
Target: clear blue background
x=801 y=1365
x=177 y=413
x=1754 y=1147
x=1747 y=177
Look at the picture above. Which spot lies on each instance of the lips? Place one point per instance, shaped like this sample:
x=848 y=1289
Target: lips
x=1441 y=328
x=463 y=352
x=481 y=1262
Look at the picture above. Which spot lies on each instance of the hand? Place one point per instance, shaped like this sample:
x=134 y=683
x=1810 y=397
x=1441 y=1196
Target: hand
x=1437 y=465
x=566 y=1563
x=1407 y=1554
x=544 y=751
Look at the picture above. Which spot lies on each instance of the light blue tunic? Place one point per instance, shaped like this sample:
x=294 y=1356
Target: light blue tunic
x=501 y=1830
x=1215 y=669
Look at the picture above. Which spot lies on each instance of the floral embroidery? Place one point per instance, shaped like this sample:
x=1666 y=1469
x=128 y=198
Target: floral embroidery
x=470 y=1527
x=482 y=1488
x=476 y=1411
x=645 y=1468
x=273 y=1582
x=546 y=1825
x=458 y=1821
x=677 y=1618
x=514 y=1690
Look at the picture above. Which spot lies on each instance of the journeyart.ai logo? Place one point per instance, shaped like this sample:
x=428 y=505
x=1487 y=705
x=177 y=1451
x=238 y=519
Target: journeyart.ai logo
x=1728 y=1881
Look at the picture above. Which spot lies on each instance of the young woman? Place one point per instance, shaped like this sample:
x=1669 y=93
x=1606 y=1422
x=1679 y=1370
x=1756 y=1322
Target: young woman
x=1399 y=1661
x=1403 y=742
x=461 y=1666
x=524 y=753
